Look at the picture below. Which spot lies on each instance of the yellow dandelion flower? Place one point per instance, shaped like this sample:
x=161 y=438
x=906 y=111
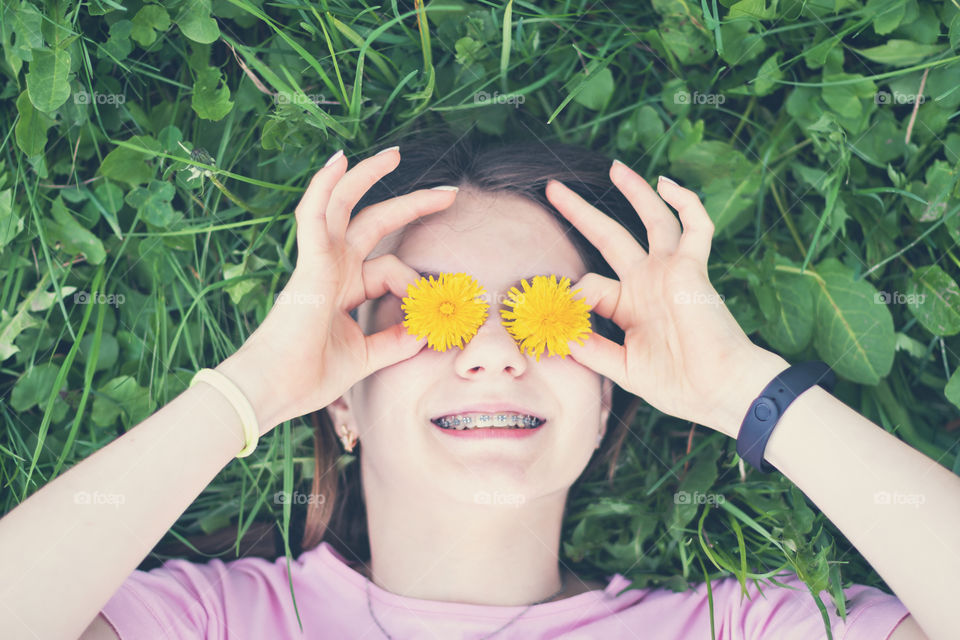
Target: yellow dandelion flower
x=448 y=311
x=545 y=315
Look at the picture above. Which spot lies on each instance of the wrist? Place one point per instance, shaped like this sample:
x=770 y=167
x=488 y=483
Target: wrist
x=247 y=373
x=752 y=372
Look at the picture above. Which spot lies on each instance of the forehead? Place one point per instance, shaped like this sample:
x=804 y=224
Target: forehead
x=497 y=237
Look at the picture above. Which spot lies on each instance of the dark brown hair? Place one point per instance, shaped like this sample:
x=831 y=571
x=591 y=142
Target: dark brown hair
x=430 y=159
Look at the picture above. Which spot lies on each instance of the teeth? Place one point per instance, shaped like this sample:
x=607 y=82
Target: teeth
x=484 y=420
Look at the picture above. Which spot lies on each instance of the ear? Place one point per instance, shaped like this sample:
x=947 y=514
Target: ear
x=341 y=414
x=606 y=401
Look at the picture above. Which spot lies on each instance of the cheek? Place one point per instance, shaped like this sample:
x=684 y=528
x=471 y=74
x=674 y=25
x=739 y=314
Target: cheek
x=575 y=384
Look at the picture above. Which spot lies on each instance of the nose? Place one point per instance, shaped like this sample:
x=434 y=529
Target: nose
x=491 y=352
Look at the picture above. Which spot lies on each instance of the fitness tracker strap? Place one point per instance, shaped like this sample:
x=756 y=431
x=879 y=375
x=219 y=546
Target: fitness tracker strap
x=766 y=410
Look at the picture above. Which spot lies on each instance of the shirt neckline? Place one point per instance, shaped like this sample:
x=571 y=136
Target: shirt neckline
x=329 y=556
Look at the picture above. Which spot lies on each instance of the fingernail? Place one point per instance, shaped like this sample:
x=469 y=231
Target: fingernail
x=665 y=179
x=615 y=161
x=445 y=187
x=387 y=149
x=333 y=158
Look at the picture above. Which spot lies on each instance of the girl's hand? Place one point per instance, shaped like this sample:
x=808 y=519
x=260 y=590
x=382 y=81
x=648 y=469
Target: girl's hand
x=683 y=351
x=308 y=351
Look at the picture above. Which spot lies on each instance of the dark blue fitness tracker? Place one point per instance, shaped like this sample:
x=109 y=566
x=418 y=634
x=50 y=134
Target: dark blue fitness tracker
x=766 y=410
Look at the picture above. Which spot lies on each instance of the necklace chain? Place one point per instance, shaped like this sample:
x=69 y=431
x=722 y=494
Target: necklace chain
x=509 y=622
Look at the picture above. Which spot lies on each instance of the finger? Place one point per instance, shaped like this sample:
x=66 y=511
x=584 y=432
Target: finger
x=616 y=245
x=310 y=211
x=374 y=222
x=391 y=346
x=348 y=191
x=697 y=225
x=663 y=230
x=387 y=274
x=603 y=355
x=601 y=293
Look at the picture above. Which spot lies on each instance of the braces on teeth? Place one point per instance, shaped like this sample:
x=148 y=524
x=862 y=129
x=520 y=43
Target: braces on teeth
x=488 y=420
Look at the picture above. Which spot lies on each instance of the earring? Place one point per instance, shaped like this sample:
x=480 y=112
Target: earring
x=348 y=438
x=599 y=439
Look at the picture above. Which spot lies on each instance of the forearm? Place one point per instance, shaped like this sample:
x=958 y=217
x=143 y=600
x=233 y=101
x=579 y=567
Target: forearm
x=897 y=506
x=70 y=545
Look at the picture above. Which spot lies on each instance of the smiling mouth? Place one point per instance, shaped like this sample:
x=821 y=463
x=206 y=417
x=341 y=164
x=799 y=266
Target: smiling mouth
x=488 y=420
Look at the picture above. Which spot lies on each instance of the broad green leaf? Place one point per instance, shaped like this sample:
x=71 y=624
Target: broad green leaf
x=925 y=29
x=887 y=14
x=727 y=198
x=854 y=332
x=686 y=39
x=943 y=86
x=815 y=56
x=32 y=127
x=914 y=347
x=210 y=100
x=900 y=53
x=34 y=387
x=675 y=97
x=71 y=235
x=110 y=197
x=644 y=127
x=756 y=9
x=933 y=297
x=10 y=223
x=767 y=76
x=119 y=45
x=128 y=165
x=952 y=390
x=649 y=126
x=48 y=81
x=843 y=99
x=240 y=288
x=43 y=300
x=106 y=355
x=12 y=326
x=597 y=90
x=25 y=22
x=153 y=202
x=150 y=19
x=195 y=22
x=791 y=329
x=121 y=397
x=942 y=180
x=470 y=51
x=748 y=45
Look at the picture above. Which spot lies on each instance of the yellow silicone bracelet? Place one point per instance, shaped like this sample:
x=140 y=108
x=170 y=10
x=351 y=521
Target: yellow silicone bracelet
x=248 y=417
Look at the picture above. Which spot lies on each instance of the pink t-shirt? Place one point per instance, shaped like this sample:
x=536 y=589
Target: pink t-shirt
x=249 y=598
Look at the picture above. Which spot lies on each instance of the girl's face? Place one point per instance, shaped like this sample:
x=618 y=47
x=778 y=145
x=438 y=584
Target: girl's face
x=498 y=239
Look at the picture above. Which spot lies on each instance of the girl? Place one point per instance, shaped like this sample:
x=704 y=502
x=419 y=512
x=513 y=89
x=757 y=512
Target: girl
x=441 y=533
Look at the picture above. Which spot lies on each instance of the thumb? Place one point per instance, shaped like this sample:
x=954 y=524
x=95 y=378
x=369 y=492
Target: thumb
x=390 y=346
x=604 y=356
